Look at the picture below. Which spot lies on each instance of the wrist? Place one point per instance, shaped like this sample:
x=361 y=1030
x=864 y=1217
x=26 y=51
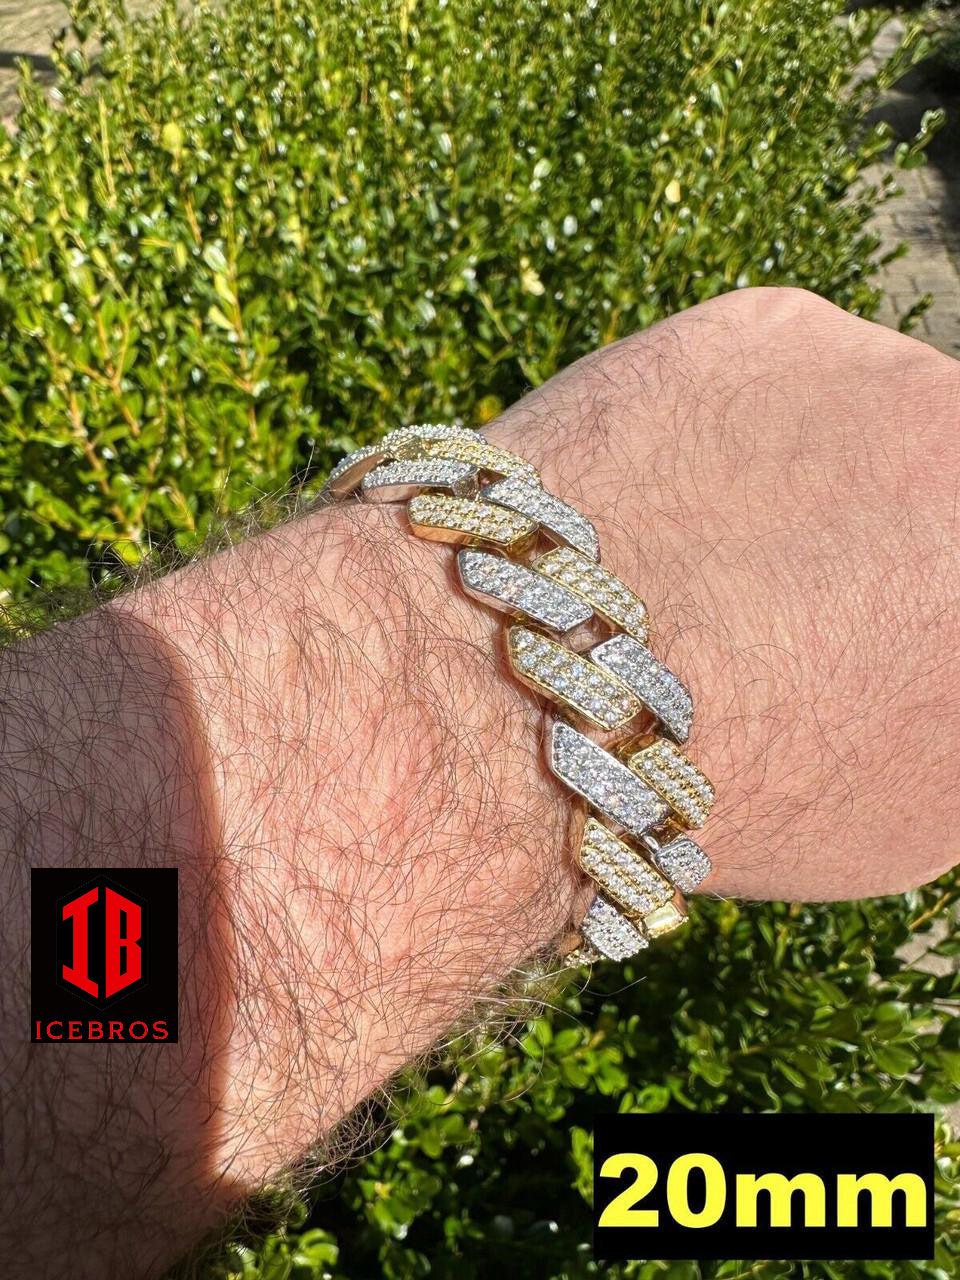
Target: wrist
x=392 y=840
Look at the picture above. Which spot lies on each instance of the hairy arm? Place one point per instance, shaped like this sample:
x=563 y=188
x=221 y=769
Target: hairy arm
x=314 y=727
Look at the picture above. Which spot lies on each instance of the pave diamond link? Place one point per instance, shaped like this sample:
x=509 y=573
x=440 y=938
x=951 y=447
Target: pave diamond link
x=397 y=481
x=621 y=872
x=407 y=442
x=558 y=519
x=684 y=862
x=470 y=520
x=606 y=784
x=611 y=933
x=472 y=448
x=654 y=684
x=349 y=471
x=519 y=590
x=570 y=679
x=602 y=589
x=687 y=791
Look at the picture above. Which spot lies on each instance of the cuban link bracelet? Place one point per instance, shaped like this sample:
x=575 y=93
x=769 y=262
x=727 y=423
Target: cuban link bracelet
x=577 y=636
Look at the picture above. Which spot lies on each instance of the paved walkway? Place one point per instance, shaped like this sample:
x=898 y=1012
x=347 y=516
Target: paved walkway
x=927 y=215
x=25 y=31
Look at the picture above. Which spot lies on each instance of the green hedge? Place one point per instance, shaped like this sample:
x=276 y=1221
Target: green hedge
x=486 y=1166
x=255 y=237
x=234 y=245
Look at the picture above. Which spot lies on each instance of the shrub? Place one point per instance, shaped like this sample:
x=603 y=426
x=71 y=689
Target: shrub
x=239 y=242
x=942 y=68
x=235 y=244
x=770 y=1007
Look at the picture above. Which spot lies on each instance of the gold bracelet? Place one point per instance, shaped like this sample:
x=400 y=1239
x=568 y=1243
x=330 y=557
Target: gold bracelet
x=534 y=557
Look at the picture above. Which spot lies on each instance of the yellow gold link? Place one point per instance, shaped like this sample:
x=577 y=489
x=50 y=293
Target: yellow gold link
x=677 y=780
x=468 y=522
x=601 y=589
x=475 y=450
x=571 y=680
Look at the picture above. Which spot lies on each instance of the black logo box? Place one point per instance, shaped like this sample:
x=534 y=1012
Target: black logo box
x=823 y=1144
x=152 y=999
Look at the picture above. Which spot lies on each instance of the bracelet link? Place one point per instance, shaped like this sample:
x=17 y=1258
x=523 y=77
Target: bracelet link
x=461 y=488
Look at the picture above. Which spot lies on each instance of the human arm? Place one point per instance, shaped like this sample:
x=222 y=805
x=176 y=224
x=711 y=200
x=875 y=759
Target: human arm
x=315 y=727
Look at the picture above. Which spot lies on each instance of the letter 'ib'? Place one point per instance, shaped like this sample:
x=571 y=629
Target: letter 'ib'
x=122 y=957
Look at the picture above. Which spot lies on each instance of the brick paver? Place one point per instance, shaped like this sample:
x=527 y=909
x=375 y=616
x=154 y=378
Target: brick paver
x=926 y=216
x=25 y=30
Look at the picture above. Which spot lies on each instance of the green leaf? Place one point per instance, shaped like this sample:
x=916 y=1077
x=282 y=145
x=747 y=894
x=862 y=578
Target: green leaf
x=896 y=1060
x=171 y=138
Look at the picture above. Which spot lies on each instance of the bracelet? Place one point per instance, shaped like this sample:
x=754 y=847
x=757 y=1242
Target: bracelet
x=537 y=559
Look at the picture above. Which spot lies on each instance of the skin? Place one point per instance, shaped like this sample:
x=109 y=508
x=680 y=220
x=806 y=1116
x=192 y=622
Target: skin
x=315 y=728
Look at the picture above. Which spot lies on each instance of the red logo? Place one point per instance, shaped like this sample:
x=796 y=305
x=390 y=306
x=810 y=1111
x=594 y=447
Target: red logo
x=122 y=960
x=103 y=954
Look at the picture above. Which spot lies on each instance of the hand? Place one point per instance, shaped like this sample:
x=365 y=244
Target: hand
x=779 y=481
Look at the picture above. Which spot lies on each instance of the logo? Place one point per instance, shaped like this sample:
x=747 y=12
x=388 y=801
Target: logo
x=123 y=919
x=711 y=1187
x=104 y=954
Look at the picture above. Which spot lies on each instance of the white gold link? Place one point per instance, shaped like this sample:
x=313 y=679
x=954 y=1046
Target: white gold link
x=683 y=862
x=559 y=520
x=654 y=684
x=605 y=783
x=398 y=481
x=611 y=933
x=513 y=587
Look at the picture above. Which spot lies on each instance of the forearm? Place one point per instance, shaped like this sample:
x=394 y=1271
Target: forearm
x=313 y=729
x=396 y=842
x=316 y=729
